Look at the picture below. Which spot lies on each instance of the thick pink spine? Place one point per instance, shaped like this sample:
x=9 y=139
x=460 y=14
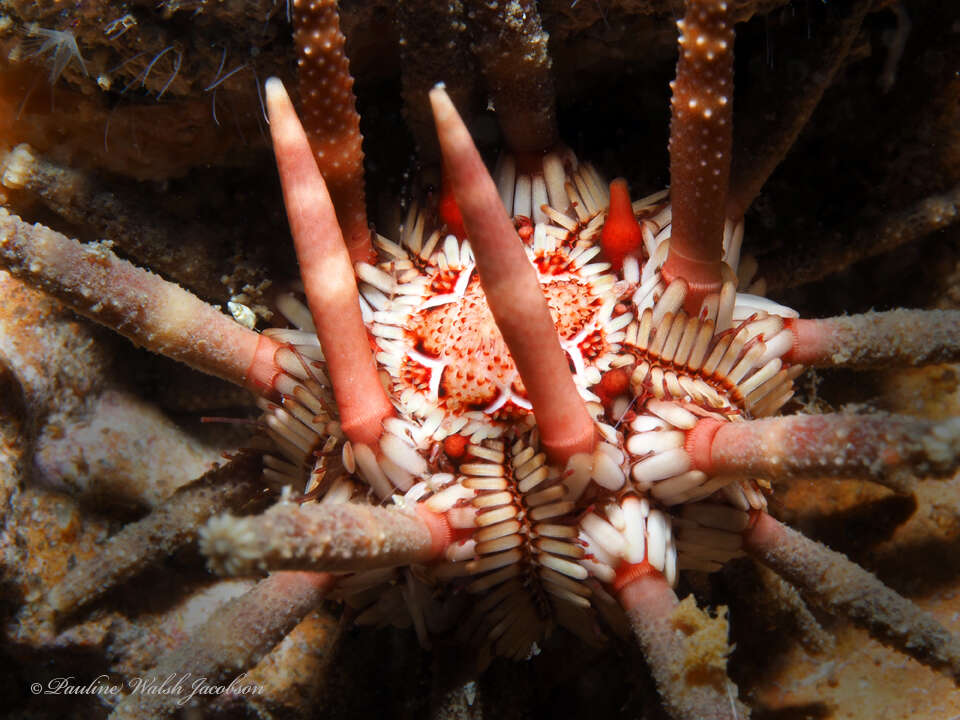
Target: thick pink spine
x=701 y=136
x=877 y=339
x=236 y=636
x=831 y=581
x=836 y=445
x=328 y=537
x=154 y=313
x=650 y=604
x=513 y=292
x=327 y=276
x=330 y=116
x=160 y=534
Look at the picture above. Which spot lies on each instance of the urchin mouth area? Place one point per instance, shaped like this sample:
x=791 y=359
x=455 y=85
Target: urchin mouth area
x=475 y=369
x=453 y=352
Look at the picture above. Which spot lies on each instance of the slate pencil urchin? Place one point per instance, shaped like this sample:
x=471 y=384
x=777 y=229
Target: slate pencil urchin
x=534 y=407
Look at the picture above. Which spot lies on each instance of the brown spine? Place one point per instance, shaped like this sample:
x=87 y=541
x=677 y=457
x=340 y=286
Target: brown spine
x=701 y=135
x=512 y=49
x=330 y=116
x=829 y=580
